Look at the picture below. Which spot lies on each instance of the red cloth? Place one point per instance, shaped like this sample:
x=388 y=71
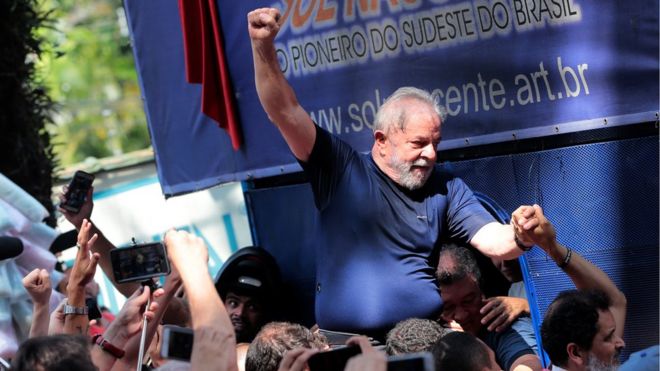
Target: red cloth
x=205 y=63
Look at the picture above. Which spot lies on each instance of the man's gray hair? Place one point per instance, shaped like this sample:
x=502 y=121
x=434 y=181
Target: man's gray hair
x=390 y=114
x=413 y=335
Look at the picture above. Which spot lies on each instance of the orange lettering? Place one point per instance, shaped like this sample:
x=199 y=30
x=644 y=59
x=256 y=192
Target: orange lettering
x=287 y=12
x=298 y=19
x=326 y=14
x=366 y=7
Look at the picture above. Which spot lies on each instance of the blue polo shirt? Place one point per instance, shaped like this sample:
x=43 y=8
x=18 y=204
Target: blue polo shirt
x=375 y=238
x=514 y=342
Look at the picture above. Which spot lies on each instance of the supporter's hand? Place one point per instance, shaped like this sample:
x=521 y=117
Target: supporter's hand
x=56 y=324
x=187 y=252
x=370 y=359
x=263 y=24
x=173 y=281
x=37 y=284
x=522 y=221
x=500 y=312
x=532 y=225
x=85 y=210
x=85 y=263
x=128 y=321
x=296 y=359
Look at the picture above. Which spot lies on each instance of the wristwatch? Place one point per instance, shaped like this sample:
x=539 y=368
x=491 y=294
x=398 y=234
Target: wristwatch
x=70 y=309
x=107 y=346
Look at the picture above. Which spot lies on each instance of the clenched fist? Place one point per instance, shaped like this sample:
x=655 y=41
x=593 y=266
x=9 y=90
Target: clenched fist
x=37 y=284
x=263 y=24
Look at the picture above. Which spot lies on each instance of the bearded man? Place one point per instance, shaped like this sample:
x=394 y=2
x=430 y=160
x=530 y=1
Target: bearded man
x=382 y=214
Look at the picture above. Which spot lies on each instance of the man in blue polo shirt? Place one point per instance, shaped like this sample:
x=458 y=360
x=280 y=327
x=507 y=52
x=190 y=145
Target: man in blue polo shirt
x=381 y=214
x=460 y=284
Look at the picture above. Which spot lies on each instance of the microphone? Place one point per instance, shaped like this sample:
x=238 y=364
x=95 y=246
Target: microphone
x=64 y=241
x=10 y=247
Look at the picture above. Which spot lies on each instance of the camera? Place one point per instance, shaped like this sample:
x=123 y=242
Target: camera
x=334 y=359
x=422 y=361
x=177 y=343
x=77 y=191
x=139 y=262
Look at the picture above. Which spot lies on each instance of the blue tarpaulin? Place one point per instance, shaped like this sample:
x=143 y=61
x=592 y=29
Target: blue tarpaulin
x=504 y=69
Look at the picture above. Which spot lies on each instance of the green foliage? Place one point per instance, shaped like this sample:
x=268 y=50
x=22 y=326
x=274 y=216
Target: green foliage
x=26 y=154
x=91 y=74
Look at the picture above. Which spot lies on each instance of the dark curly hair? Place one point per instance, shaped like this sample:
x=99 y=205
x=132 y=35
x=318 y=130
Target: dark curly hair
x=572 y=318
x=465 y=264
x=55 y=353
x=413 y=335
x=268 y=347
x=460 y=351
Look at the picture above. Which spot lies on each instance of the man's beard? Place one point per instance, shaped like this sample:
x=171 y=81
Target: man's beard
x=595 y=364
x=408 y=178
x=244 y=332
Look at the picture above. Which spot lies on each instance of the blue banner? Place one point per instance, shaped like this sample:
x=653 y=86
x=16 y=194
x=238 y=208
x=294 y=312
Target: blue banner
x=504 y=69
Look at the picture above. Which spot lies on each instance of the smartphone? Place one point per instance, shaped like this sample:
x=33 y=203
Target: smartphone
x=139 y=262
x=177 y=343
x=422 y=361
x=334 y=359
x=93 y=311
x=339 y=338
x=77 y=191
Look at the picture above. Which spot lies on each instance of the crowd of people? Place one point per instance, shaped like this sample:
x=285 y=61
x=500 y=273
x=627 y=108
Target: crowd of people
x=230 y=316
x=383 y=215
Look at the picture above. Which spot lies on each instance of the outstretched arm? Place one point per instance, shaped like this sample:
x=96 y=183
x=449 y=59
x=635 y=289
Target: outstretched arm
x=215 y=341
x=276 y=95
x=82 y=273
x=504 y=241
x=583 y=273
x=37 y=284
x=102 y=246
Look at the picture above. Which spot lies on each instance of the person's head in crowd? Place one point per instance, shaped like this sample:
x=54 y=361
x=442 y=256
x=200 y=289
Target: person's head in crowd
x=460 y=351
x=578 y=332
x=54 y=353
x=248 y=284
x=268 y=347
x=409 y=113
x=459 y=279
x=413 y=335
x=510 y=269
x=247 y=313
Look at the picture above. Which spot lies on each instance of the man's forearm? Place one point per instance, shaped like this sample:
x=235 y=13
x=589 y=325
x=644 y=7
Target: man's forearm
x=40 y=320
x=586 y=275
x=497 y=240
x=76 y=324
x=275 y=93
x=214 y=331
x=205 y=309
x=583 y=273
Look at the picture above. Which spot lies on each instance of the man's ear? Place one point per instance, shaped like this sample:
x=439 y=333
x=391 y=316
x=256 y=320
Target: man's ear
x=380 y=139
x=576 y=354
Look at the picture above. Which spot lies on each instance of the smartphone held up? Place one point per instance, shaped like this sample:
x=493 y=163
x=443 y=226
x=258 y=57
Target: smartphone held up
x=139 y=262
x=177 y=343
x=76 y=193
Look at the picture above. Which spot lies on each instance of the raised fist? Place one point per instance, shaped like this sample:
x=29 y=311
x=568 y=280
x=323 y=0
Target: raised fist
x=37 y=284
x=263 y=23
